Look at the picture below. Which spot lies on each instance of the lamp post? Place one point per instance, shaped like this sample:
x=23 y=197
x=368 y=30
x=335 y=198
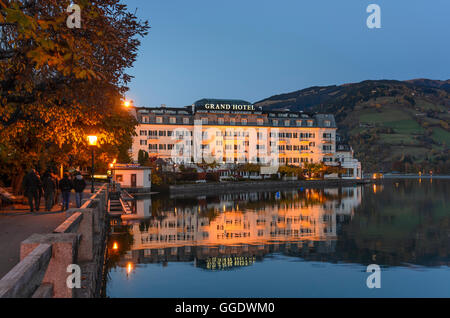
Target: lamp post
x=113 y=170
x=92 y=140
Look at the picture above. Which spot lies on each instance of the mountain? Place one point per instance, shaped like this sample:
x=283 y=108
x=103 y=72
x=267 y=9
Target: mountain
x=392 y=125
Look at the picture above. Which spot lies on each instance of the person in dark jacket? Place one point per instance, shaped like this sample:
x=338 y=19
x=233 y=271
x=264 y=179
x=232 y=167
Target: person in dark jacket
x=32 y=187
x=49 y=185
x=79 y=185
x=66 y=186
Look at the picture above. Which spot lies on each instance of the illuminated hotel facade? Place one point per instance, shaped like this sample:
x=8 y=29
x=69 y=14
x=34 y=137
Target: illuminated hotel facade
x=237 y=132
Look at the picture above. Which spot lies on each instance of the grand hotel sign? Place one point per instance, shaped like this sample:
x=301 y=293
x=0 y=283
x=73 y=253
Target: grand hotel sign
x=225 y=105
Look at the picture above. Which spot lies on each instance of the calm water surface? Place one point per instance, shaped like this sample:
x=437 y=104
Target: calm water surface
x=298 y=243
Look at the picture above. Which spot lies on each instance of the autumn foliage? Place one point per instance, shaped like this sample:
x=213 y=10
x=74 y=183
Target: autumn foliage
x=59 y=84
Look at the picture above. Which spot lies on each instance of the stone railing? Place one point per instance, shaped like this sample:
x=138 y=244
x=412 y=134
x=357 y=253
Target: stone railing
x=45 y=259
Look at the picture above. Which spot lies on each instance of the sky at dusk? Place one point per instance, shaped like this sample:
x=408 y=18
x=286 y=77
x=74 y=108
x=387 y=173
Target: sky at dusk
x=245 y=49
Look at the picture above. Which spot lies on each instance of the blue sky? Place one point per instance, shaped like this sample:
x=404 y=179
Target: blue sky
x=253 y=49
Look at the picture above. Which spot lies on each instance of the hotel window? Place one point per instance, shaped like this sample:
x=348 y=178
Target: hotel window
x=143 y=132
x=220 y=121
x=162 y=133
x=143 y=142
x=119 y=178
x=232 y=121
x=287 y=122
x=162 y=147
x=204 y=121
x=299 y=123
x=172 y=120
x=244 y=121
x=169 y=146
x=260 y=121
x=185 y=120
x=310 y=123
x=275 y=122
x=326 y=136
x=145 y=119
x=327 y=123
x=153 y=147
x=327 y=147
x=159 y=120
x=169 y=133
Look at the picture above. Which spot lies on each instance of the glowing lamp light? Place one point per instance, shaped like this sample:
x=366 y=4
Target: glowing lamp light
x=127 y=103
x=115 y=246
x=129 y=268
x=92 y=140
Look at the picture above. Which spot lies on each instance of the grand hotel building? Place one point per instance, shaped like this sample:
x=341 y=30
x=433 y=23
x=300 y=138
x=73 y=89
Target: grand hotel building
x=298 y=137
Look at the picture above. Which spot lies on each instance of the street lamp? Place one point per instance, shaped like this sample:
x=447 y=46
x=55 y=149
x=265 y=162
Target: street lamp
x=127 y=103
x=92 y=140
x=113 y=166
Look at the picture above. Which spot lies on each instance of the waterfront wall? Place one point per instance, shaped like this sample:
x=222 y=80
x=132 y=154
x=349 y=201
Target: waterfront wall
x=269 y=185
x=80 y=240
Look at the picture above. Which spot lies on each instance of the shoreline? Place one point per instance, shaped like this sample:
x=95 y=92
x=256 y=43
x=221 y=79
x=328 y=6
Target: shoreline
x=216 y=187
x=270 y=185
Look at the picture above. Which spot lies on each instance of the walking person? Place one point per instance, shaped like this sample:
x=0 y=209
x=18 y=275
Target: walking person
x=40 y=190
x=57 y=191
x=49 y=185
x=65 y=185
x=79 y=185
x=31 y=186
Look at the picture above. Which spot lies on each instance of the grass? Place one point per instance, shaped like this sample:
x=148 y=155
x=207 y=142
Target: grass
x=425 y=105
x=396 y=119
x=418 y=152
x=405 y=126
x=374 y=117
x=441 y=136
x=396 y=139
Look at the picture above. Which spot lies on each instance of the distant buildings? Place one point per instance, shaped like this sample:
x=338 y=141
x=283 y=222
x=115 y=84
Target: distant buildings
x=235 y=131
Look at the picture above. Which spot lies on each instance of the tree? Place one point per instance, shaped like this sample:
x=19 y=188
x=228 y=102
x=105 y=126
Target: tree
x=59 y=84
x=143 y=157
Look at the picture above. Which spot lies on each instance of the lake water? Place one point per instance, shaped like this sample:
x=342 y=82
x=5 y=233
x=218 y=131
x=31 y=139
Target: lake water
x=297 y=243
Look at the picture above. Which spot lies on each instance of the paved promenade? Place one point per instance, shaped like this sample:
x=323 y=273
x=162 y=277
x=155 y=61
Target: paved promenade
x=18 y=224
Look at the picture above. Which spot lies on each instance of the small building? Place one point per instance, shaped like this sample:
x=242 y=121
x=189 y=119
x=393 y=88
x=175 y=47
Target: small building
x=344 y=155
x=133 y=177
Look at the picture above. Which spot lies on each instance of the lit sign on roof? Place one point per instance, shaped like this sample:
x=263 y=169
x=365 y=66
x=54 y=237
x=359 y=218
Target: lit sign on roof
x=225 y=105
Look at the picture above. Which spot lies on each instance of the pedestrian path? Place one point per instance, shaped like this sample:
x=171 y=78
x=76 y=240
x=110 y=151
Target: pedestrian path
x=19 y=223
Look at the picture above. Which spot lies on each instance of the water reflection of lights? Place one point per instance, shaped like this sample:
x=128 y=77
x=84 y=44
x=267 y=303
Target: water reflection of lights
x=129 y=268
x=377 y=188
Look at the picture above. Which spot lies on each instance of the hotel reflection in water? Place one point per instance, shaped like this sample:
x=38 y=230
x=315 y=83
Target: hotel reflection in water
x=238 y=229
